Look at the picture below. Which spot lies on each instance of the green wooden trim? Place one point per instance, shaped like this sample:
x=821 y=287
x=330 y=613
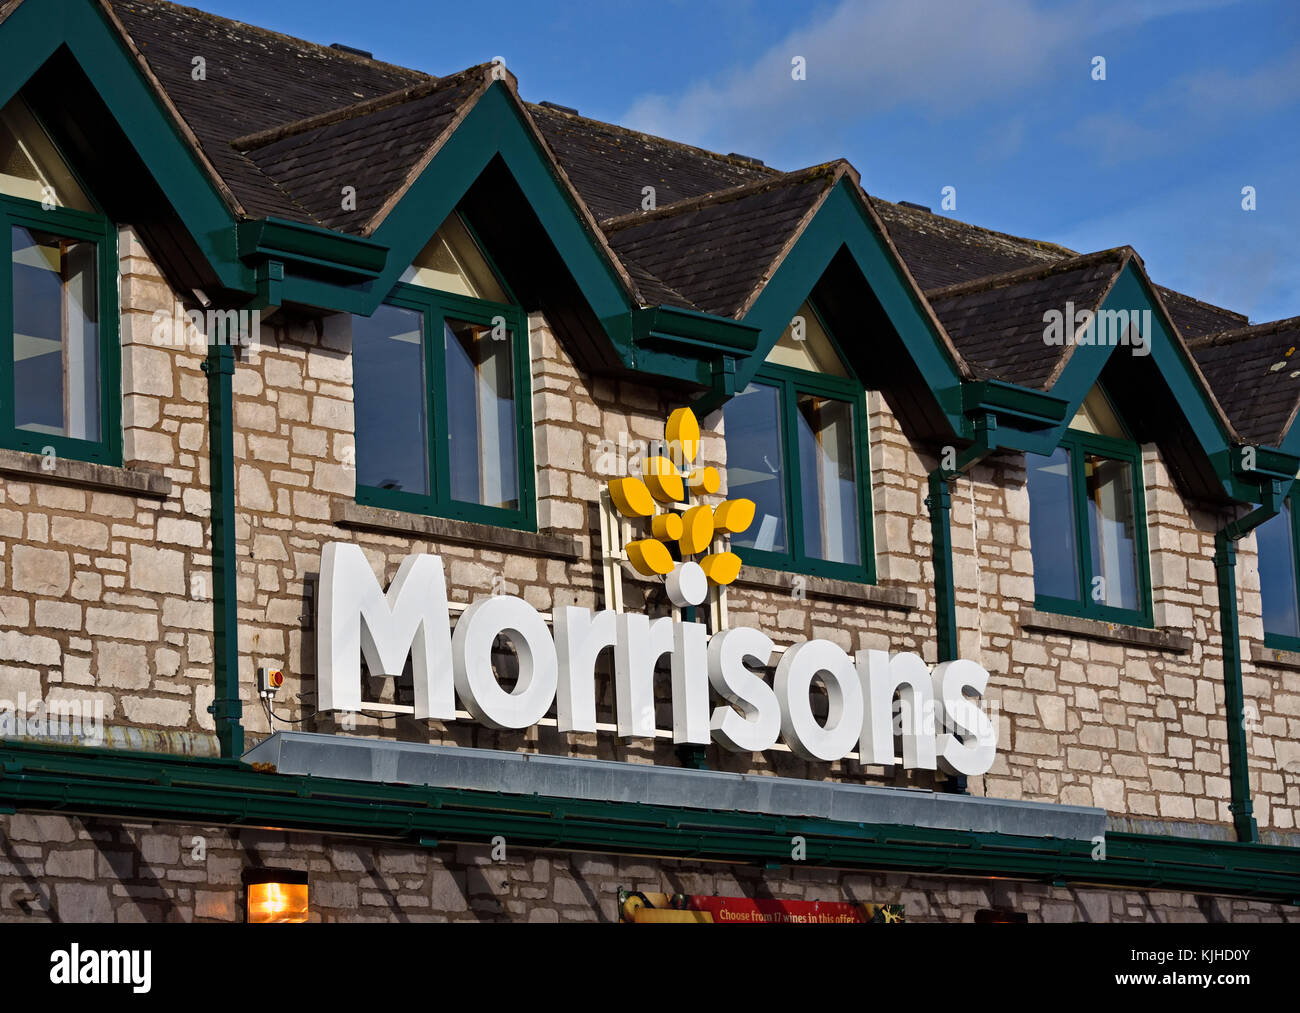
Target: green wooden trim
x=1131 y=292
x=1281 y=642
x=842 y=223
x=16 y=211
x=32 y=34
x=494 y=127
x=153 y=787
x=435 y=307
x=297 y=243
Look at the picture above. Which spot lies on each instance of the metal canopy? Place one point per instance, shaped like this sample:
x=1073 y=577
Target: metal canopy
x=563 y=777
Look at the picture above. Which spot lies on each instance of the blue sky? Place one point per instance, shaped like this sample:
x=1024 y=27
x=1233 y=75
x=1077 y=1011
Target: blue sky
x=993 y=97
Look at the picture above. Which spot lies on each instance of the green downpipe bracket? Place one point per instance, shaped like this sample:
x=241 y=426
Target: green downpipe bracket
x=1225 y=565
x=226 y=708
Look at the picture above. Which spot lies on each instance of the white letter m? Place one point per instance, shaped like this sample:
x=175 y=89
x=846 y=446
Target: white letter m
x=356 y=616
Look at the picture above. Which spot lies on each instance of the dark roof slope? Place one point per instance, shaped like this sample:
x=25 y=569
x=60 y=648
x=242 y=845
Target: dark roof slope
x=610 y=165
x=310 y=118
x=718 y=249
x=943 y=251
x=1195 y=318
x=998 y=325
x=372 y=146
x=253 y=80
x=1255 y=372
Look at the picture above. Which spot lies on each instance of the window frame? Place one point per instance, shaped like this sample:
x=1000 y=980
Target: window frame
x=790 y=383
x=96 y=228
x=1283 y=641
x=1079 y=444
x=436 y=307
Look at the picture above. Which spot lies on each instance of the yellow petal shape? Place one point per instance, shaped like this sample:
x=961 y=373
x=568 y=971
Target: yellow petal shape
x=631 y=497
x=663 y=480
x=705 y=481
x=667 y=527
x=683 y=430
x=650 y=557
x=734 y=515
x=721 y=567
x=698 y=530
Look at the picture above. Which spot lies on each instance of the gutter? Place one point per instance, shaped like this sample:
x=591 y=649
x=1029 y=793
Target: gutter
x=222 y=792
x=1225 y=565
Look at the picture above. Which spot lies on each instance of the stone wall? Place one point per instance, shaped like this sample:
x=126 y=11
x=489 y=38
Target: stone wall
x=106 y=596
x=70 y=869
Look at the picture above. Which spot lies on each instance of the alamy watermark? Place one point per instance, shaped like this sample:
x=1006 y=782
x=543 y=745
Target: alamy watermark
x=71 y=721
x=1121 y=328
x=184 y=328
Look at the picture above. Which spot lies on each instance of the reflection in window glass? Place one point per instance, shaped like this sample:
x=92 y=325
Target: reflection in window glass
x=828 y=479
x=481 y=415
x=1051 y=526
x=1113 y=532
x=390 y=393
x=1277 y=579
x=452 y=262
x=752 y=420
x=56 y=335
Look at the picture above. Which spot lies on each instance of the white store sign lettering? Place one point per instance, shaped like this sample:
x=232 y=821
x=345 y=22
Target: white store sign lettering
x=356 y=618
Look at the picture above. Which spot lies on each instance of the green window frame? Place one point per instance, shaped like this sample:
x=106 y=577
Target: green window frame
x=1272 y=556
x=436 y=308
x=68 y=223
x=1079 y=446
x=791 y=384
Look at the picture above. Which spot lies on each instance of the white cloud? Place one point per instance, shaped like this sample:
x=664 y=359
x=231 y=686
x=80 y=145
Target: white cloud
x=868 y=57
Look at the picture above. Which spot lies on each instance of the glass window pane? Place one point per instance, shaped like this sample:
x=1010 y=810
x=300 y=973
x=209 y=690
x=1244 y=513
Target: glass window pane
x=1277 y=580
x=56 y=335
x=1051 y=525
x=828 y=479
x=481 y=415
x=452 y=262
x=804 y=344
x=30 y=167
x=756 y=465
x=390 y=391
x=1113 y=532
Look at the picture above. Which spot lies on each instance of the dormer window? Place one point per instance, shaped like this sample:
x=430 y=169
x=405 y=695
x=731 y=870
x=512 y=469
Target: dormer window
x=796 y=446
x=443 y=390
x=58 y=335
x=1087 y=520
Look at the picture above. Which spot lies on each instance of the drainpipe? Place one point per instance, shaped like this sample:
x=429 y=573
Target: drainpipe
x=939 y=503
x=1225 y=563
x=226 y=708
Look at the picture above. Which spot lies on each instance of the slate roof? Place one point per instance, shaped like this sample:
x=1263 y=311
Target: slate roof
x=253 y=80
x=374 y=145
x=611 y=165
x=1256 y=376
x=717 y=251
x=309 y=119
x=997 y=323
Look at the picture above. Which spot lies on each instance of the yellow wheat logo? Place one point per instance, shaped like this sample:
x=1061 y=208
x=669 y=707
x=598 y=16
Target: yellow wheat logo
x=664 y=483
